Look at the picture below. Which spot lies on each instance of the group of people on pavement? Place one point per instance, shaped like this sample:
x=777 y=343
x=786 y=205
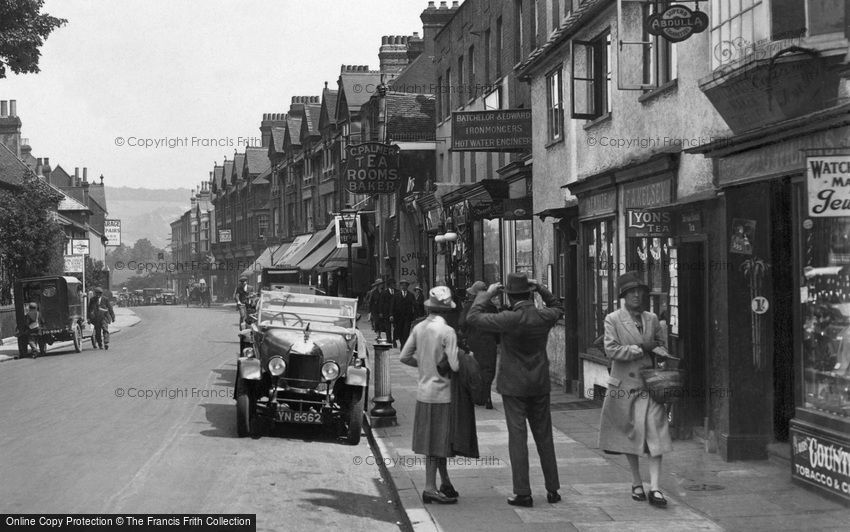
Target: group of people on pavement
x=632 y=423
x=393 y=310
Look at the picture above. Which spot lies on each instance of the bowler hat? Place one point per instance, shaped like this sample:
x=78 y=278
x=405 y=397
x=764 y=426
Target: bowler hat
x=517 y=284
x=476 y=287
x=98 y=290
x=440 y=297
x=627 y=281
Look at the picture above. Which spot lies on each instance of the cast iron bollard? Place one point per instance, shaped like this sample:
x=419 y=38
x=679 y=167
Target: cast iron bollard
x=382 y=413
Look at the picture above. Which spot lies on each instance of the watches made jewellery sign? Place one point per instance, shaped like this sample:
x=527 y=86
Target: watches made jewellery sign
x=676 y=23
x=828 y=182
x=372 y=168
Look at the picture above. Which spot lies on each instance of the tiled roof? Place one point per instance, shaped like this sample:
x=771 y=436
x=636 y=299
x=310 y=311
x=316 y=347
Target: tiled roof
x=358 y=87
x=293 y=130
x=12 y=169
x=410 y=117
x=311 y=118
x=568 y=27
x=277 y=138
x=59 y=176
x=238 y=163
x=328 y=111
x=226 y=173
x=98 y=194
x=257 y=159
x=70 y=204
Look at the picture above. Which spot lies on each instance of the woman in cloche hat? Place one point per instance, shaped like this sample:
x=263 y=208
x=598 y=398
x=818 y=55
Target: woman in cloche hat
x=429 y=342
x=632 y=423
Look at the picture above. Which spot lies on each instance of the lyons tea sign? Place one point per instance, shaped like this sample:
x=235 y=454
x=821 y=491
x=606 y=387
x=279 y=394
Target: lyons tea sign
x=372 y=168
x=828 y=181
x=676 y=23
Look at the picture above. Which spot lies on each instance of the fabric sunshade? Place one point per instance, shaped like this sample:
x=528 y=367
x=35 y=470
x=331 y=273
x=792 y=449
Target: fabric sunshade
x=265 y=259
x=317 y=240
x=317 y=256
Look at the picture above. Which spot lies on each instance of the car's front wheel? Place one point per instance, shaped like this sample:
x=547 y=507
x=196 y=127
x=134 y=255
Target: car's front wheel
x=246 y=407
x=78 y=338
x=354 y=416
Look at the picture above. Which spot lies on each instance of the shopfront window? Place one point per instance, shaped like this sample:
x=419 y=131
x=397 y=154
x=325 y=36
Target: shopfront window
x=523 y=249
x=491 y=246
x=652 y=258
x=599 y=286
x=825 y=293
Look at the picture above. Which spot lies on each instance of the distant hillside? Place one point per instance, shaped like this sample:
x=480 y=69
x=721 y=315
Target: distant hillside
x=146 y=213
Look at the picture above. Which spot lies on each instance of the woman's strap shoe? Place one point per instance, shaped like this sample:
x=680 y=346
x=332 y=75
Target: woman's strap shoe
x=449 y=491
x=638 y=494
x=656 y=498
x=435 y=496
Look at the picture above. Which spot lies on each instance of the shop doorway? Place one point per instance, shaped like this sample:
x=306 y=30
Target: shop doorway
x=693 y=337
x=781 y=251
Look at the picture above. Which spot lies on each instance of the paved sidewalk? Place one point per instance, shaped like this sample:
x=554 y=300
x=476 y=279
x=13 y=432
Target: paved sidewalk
x=703 y=491
x=124 y=317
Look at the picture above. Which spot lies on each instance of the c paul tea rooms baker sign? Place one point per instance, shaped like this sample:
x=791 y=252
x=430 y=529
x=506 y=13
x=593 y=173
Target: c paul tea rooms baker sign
x=828 y=182
x=372 y=168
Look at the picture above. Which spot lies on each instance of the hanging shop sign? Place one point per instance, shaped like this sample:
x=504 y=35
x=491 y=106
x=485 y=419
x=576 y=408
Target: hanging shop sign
x=820 y=461
x=74 y=263
x=224 y=236
x=112 y=231
x=499 y=130
x=828 y=179
x=372 y=168
x=676 y=23
x=642 y=223
x=80 y=246
x=348 y=232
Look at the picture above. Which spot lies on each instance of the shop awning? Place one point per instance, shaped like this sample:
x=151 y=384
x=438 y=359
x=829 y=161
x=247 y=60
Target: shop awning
x=315 y=258
x=339 y=259
x=294 y=246
x=265 y=259
x=317 y=240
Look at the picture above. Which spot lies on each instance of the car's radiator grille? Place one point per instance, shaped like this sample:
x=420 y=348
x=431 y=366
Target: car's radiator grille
x=304 y=371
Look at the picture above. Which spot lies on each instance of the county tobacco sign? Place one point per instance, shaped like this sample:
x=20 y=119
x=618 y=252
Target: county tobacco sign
x=372 y=168
x=828 y=181
x=677 y=23
x=500 y=130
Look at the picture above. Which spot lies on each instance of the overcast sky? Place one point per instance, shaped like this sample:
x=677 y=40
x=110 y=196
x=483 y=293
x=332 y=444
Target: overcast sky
x=209 y=69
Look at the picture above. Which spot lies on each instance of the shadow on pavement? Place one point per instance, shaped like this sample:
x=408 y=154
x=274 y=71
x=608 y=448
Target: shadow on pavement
x=222 y=418
x=356 y=504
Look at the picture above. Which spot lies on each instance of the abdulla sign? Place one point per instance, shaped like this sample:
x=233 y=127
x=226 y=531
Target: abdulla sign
x=676 y=23
x=372 y=168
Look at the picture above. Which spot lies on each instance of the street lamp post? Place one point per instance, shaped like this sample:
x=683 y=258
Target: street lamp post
x=349 y=218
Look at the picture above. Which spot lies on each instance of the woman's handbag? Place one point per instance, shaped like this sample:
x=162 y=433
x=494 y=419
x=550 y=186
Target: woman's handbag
x=665 y=386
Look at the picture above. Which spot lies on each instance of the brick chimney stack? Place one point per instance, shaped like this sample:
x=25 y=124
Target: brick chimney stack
x=76 y=182
x=392 y=55
x=46 y=170
x=10 y=126
x=270 y=120
x=433 y=19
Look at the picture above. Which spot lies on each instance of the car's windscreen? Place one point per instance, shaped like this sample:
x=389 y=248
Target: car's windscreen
x=288 y=309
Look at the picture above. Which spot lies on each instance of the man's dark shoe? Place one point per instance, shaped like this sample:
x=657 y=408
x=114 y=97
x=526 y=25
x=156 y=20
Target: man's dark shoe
x=106 y=347
x=521 y=500
x=553 y=497
x=435 y=496
x=449 y=491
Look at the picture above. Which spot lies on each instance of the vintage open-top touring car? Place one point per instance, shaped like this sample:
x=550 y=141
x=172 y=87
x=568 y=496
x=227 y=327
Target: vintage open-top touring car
x=305 y=363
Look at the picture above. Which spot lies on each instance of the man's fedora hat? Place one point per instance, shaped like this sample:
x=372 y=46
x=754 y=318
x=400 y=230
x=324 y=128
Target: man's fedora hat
x=404 y=281
x=440 y=297
x=517 y=284
x=98 y=290
x=627 y=281
x=378 y=281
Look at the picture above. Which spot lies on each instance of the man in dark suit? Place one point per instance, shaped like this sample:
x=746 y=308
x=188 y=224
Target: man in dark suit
x=386 y=298
x=523 y=377
x=404 y=310
x=100 y=315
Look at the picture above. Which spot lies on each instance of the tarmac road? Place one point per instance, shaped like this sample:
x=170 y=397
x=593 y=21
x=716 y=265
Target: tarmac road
x=149 y=427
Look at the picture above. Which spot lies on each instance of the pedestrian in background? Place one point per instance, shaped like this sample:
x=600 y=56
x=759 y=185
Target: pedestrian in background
x=632 y=423
x=431 y=341
x=386 y=298
x=419 y=296
x=100 y=315
x=404 y=307
x=371 y=302
x=483 y=344
x=523 y=376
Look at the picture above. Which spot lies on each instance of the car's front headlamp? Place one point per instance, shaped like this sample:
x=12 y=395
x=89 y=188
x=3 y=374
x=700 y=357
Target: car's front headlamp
x=330 y=371
x=277 y=366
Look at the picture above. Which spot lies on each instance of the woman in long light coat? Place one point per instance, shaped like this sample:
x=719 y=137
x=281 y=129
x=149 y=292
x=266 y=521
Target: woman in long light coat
x=632 y=423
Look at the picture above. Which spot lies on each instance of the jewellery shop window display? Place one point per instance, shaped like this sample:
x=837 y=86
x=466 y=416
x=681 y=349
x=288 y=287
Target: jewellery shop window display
x=599 y=275
x=826 y=314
